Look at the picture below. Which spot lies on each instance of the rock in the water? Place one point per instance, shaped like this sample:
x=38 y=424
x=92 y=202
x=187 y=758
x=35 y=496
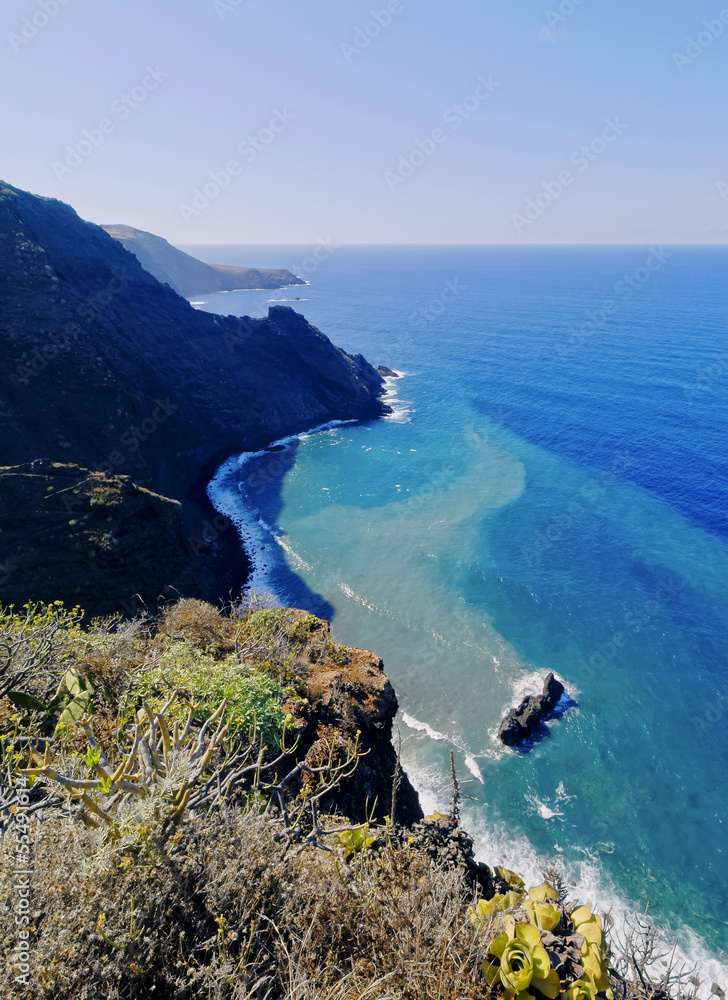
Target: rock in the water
x=387 y=372
x=522 y=722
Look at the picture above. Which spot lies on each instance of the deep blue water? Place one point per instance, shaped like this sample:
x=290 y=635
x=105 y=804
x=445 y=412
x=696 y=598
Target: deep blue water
x=550 y=494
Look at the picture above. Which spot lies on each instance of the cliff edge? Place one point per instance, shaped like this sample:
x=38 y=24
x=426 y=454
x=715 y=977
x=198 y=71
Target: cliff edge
x=105 y=367
x=189 y=276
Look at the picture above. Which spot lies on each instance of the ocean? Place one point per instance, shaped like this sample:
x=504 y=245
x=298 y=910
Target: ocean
x=549 y=494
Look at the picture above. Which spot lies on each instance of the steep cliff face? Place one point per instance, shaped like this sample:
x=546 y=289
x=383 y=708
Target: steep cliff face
x=189 y=276
x=350 y=698
x=87 y=539
x=105 y=367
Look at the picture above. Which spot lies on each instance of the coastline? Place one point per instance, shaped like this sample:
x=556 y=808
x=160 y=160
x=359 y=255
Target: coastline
x=494 y=842
x=237 y=508
x=246 y=567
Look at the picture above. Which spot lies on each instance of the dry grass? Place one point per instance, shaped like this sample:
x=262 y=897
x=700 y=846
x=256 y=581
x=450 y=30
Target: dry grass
x=230 y=914
x=199 y=623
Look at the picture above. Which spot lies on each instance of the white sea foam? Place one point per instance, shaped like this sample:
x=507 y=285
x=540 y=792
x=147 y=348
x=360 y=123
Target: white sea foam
x=422 y=727
x=526 y=684
x=227 y=495
x=587 y=880
x=544 y=811
x=472 y=766
x=401 y=411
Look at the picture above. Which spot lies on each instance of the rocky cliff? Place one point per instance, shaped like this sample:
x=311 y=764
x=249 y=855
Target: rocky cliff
x=189 y=276
x=105 y=367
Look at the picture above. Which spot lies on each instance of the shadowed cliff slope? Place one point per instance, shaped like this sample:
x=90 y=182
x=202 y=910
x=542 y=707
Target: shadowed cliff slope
x=105 y=367
x=189 y=276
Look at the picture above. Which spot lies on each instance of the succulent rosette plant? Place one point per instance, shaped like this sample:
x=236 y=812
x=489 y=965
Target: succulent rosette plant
x=554 y=952
x=524 y=964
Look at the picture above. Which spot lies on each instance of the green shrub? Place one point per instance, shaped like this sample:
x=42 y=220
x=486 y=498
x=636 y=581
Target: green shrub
x=254 y=700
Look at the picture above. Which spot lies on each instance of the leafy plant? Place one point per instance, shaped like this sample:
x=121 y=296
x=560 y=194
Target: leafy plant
x=34 y=644
x=356 y=840
x=536 y=947
x=198 y=678
x=155 y=779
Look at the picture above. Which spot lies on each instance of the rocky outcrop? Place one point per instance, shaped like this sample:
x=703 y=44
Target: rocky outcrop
x=106 y=367
x=189 y=276
x=88 y=539
x=521 y=723
x=348 y=697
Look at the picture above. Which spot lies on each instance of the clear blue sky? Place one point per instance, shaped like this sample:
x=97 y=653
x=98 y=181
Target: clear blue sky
x=347 y=117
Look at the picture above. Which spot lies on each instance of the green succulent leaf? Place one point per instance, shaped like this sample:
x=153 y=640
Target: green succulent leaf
x=549 y=985
x=581 y=915
x=581 y=990
x=22 y=700
x=76 y=709
x=594 y=967
x=498 y=944
x=528 y=934
x=506 y=875
x=75 y=684
x=491 y=971
x=545 y=916
x=591 y=931
x=516 y=970
x=543 y=892
x=541 y=962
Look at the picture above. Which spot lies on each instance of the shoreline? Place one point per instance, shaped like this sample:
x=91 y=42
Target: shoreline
x=211 y=495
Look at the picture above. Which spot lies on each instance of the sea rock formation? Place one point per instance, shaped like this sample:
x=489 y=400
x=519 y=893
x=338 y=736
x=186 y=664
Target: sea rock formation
x=105 y=367
x=189 y=276
x=521 y=723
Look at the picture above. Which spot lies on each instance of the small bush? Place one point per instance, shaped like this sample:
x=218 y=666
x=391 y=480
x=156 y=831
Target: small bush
x=198 y=622
x=35 y=643
x=254 y=700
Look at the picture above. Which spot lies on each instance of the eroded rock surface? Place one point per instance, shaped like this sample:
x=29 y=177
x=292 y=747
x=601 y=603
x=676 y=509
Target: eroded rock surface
x=522 y=722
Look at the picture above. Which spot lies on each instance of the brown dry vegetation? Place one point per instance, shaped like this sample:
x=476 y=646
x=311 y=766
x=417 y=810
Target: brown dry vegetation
x=231 y=914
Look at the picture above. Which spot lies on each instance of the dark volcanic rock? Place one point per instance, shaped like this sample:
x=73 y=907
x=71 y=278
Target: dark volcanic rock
x=189 y=276
x=522 y=722
x=88 y=539
x=106 y=367
x=351 y=697
x=387 y=372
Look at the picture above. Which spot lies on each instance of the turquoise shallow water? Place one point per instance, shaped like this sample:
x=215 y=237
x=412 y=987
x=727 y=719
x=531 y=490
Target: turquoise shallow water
x=550 y=494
